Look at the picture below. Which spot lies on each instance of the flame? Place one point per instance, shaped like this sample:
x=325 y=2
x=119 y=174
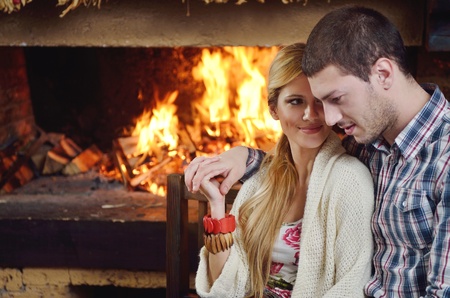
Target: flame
x=213 y=70
x=158 y=129
x=235 y=93
x=232 y=111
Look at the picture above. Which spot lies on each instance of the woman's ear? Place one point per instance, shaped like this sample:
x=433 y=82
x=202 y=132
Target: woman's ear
x=273 y=112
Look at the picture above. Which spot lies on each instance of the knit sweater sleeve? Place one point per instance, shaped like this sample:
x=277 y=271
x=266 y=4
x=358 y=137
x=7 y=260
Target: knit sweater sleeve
x=234 y=278
x=352 y=189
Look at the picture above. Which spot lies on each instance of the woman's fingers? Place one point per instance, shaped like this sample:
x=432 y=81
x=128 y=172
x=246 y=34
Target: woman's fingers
x=210 y=188
x=191 y=171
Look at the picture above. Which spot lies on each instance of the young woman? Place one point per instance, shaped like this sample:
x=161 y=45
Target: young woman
x=303 y=221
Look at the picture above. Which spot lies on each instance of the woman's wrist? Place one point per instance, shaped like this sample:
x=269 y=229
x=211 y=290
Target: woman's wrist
x=218 y=235
x=217 y=211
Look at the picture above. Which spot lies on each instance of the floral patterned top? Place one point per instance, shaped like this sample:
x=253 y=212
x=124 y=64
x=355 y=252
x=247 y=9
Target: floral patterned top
x=285 y=255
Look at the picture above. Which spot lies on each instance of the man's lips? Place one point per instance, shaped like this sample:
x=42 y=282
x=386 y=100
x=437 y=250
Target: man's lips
x=348 y=128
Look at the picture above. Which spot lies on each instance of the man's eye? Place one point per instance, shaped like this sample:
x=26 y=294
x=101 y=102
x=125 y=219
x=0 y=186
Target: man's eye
x=336 y=99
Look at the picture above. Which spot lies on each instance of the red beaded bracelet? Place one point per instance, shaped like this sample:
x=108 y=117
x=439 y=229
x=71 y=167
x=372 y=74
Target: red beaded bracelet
x=216 y=226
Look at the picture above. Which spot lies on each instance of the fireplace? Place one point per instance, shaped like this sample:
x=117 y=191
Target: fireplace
x=93 y=61
x=88 y=75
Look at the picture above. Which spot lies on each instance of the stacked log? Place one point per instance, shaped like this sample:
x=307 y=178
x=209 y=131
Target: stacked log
x=46 y=154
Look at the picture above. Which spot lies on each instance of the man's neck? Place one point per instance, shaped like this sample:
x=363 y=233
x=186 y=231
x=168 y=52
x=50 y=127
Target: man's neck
x=409 y=98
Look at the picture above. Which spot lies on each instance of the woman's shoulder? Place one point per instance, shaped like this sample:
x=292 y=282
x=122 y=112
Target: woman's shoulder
x=343 y=162
x=348 y=167
x=350 y=185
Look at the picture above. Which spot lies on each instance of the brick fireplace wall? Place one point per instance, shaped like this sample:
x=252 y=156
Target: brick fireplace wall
x=16 y=112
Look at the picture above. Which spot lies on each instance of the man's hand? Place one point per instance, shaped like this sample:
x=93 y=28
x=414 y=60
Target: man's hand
x=230 y=165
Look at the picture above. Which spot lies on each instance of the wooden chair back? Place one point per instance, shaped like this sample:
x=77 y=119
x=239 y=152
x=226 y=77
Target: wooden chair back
x=177 y=234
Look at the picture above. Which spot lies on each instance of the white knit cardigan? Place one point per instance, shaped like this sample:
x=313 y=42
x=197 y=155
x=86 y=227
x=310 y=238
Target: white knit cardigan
x=336 y=244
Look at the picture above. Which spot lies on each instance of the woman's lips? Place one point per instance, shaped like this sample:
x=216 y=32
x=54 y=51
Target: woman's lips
x=312 y=129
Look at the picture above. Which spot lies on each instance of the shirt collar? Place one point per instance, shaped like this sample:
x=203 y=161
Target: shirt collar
x=415 y=134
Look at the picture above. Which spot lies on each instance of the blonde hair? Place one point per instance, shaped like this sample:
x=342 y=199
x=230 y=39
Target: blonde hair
x=278 y=184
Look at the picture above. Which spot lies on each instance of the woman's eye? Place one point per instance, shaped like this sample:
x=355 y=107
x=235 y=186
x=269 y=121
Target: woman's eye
x=295 y=101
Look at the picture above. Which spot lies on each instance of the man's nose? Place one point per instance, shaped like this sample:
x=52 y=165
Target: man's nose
x=332 y=114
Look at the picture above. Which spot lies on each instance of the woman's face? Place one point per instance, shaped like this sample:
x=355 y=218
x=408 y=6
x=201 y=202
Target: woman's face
x=301 y=115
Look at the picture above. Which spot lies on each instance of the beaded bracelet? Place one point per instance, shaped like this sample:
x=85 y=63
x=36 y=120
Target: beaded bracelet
x=218 y=236
x=215 y=243
x=216 y=226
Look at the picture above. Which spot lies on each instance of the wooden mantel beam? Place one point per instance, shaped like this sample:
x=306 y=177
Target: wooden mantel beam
x=143 y=23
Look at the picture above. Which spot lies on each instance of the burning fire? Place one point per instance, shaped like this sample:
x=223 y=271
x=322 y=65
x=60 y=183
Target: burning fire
x=233 y=111
x=235 y=94
x=158 y=128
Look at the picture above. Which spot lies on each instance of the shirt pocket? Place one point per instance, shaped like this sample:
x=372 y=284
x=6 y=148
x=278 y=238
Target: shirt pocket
x=413 y=216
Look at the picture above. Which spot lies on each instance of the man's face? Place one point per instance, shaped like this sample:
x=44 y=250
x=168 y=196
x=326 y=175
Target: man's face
x=352 y=104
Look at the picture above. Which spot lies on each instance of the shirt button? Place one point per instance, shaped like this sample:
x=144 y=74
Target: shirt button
x=404 y=203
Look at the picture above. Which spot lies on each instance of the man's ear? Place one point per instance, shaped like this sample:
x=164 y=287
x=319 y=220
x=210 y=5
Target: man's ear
x=273 y=113
x=383 y=72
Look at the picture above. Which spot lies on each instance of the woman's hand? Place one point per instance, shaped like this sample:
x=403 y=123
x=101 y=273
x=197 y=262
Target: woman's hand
x=210 y=188
x=230 y=165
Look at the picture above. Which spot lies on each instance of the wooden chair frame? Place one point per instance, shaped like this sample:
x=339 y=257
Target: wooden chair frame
x=177 y=238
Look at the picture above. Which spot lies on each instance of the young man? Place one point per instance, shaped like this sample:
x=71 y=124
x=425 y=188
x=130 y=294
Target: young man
x=355 y=62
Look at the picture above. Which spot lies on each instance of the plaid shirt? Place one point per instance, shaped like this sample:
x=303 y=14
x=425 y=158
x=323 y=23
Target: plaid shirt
x=411 y=222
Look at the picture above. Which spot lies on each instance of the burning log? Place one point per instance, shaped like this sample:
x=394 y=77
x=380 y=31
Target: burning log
x=121 y=163
x=135 y=181
x=144 y=171
x=128 y=145
x=186 y=139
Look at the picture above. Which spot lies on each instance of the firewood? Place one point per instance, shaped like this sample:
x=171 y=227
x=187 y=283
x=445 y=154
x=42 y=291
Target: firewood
x=39 y=157
x=55 y=161
x=84 y=161
x=24 y=174
x=186 y=140
x=128 y=145
x=139 y=178
x=122 y=164
x=23 y=158
x=133 y=161
x=70 y=148
x=58 y=154
x=55 y=138
x=20 y=177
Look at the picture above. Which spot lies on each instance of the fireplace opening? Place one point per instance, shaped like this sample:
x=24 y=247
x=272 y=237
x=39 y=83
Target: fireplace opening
x=93 y=94
x=147 y=111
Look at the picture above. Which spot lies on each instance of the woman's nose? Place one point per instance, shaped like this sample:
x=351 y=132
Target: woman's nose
x=310 y=112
